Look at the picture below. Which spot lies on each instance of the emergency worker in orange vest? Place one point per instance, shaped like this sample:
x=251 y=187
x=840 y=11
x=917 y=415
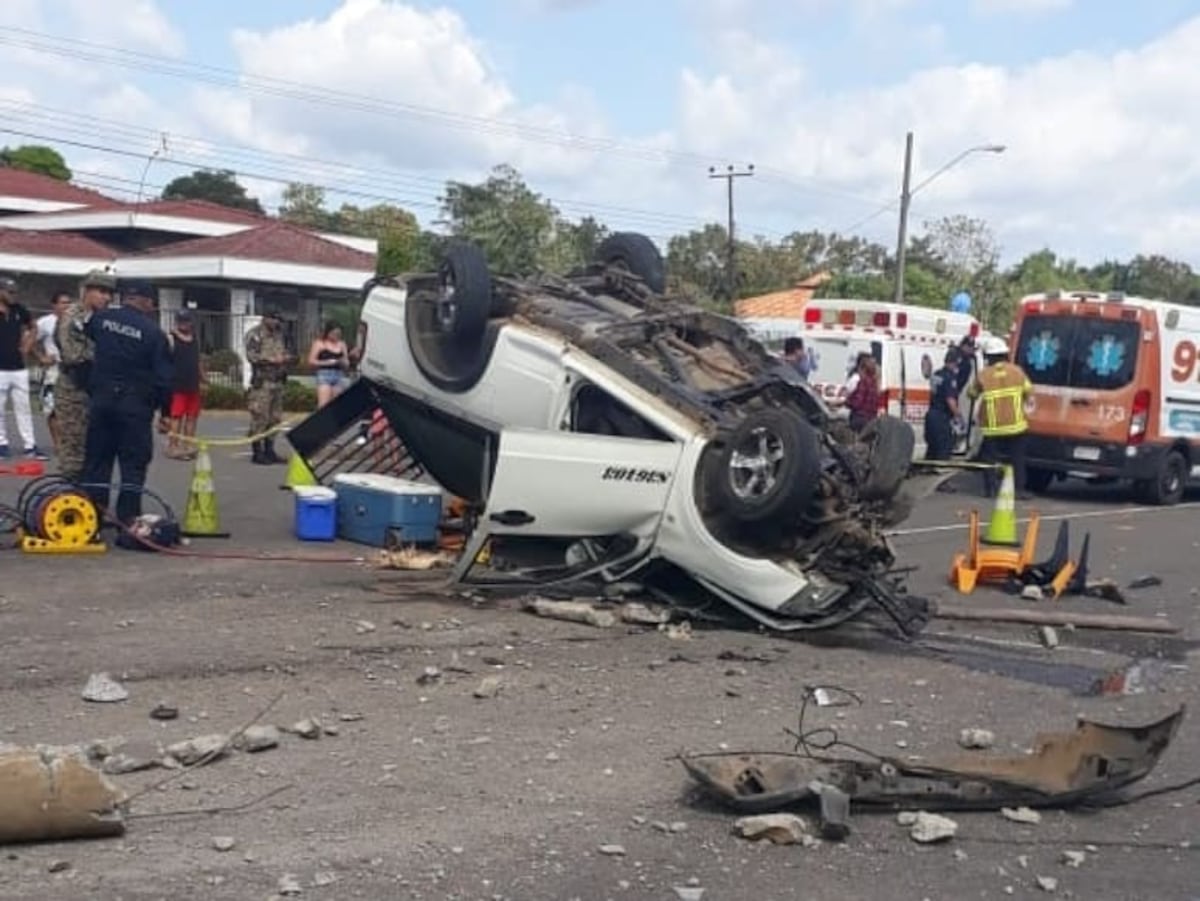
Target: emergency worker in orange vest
x=1003 y=389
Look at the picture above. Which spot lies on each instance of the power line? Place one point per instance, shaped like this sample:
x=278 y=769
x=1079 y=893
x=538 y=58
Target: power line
x=78 y=49
x=282 y=167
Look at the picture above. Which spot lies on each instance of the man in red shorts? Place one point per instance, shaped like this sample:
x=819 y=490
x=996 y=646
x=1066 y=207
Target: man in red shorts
x=189 y=382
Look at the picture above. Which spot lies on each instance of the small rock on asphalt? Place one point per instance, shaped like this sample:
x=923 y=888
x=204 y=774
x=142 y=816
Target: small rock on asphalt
x=1074 y=859
x=906 y=817
x=976 y=739
x=363 y=626
x=223 y=842
x=1047 y=883
x=322 y=878
x=1048 y=636
x=306 y=728
x=488 y=688
x=613 y=850
x=778 y=828
x=102 y=688
x=193 y=750
x=932 y=827
x=58 y=866
x=132 y=757
x=1021 y=815
x=257 y=738
x=688 y=892
x=429 y=675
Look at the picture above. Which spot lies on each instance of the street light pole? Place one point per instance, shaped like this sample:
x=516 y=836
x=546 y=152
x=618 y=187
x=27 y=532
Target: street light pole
x=906 y=195
x=902 y=239
x=731 y=251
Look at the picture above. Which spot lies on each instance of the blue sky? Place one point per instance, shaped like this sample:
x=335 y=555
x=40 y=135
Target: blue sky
x=1092 y=99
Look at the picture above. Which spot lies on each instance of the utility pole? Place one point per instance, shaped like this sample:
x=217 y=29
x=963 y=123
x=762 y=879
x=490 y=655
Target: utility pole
x=731 y=253
x=902 y=240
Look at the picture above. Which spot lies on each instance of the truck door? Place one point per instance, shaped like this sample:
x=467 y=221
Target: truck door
x=573 y=485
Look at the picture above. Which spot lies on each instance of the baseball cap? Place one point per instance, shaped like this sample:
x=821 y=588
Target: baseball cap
x=184 y=315
x=138 y=288
x=99 y=278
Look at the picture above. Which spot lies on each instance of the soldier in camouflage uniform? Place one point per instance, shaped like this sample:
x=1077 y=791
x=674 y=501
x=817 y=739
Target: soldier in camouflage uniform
x=76 y=352
x=269 y=357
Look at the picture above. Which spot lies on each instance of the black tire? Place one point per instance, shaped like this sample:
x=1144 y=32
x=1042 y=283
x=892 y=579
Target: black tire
x=1168 y=486
x=638 y=255
x=1038 y=480
x=465 y=295
x=769 y=468
x=891 y=442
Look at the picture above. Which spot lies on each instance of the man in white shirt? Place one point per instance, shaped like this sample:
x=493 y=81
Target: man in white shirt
x=46 y=349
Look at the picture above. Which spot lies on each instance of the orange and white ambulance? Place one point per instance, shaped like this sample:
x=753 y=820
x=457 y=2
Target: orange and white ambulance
x=1116 y=390
x=908 y=342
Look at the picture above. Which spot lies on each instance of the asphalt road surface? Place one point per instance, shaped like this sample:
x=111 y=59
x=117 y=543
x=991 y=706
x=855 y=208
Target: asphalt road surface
x=426 y=791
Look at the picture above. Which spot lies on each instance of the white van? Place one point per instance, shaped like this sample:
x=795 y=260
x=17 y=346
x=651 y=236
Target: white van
x=908 y=342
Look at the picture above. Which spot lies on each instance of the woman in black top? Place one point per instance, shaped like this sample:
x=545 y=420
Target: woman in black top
x=330 y=357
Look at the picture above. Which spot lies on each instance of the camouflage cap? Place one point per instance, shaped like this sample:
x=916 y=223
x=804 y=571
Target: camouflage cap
x=100 y=278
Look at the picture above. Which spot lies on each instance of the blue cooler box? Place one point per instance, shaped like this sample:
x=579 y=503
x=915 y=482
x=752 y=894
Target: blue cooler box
x=371 y=506
x=316 y=513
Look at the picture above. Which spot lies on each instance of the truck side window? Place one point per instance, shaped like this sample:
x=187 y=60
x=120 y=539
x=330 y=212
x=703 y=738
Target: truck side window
x=595 y=412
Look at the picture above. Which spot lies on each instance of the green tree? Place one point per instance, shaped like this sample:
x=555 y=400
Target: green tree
x=215 y=186
x=304 y=205
x=36 y=158
x=696 y=264
x=516 y=227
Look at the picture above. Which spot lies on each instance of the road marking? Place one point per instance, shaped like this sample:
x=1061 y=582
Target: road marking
x=1054 y=517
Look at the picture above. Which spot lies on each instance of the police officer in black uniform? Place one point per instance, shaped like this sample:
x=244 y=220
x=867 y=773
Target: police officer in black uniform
x=945 y=385
x=131 y=378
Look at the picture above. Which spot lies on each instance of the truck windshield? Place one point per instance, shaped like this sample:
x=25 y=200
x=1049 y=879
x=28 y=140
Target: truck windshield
x=1079 y=352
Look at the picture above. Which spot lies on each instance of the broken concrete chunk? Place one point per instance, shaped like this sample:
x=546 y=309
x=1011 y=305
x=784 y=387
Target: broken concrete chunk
x=931 y=827
x=612 y=850
x=202 y=747
x=48 y=797
x=488 y=688
x=1048 y=636
x=257 y=738
x=306 y=728
x=132 y=757
x=224 y=842
x=644 y=614
x=1047 y=884
x=976 y=739
x=906 y=817
x=677 y=631
x=364 y=626
x=1021 y=815
x=572 y=611
x=777 y=828
x=1074 y=859
x=101 y=688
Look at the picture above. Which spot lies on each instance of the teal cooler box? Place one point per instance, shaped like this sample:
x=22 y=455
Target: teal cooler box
x=371 y=507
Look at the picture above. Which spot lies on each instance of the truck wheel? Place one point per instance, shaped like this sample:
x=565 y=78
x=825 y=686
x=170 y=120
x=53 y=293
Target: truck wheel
x=637 y=255
x=465 y=295
x=1038 y=480
x=1167 y=488
x=891 y=442
x=769 y=468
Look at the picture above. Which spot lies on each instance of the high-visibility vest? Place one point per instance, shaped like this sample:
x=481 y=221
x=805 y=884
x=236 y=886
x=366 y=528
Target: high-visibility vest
x=1002 y=400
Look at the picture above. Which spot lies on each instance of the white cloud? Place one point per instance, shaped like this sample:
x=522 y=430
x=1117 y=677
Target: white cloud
x=1019 y=7
x=1100 y=156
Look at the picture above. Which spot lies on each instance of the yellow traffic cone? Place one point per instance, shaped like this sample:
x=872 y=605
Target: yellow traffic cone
x=298 y=474
x=1002 y=527
x=200 y=518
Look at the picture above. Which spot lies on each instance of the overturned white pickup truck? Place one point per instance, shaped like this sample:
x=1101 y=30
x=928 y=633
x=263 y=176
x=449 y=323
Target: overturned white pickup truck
x=602 y=429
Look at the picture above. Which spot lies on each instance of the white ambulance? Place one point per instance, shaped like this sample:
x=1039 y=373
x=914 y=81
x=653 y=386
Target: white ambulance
x=908 y=342
x=1116 y=390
